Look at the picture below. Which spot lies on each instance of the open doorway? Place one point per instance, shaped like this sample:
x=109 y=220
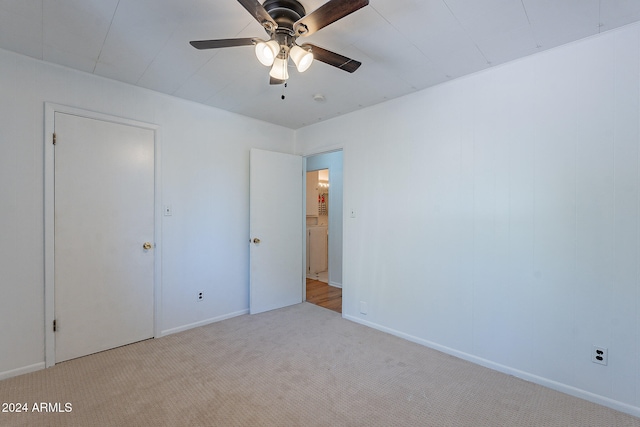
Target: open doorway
x=318 y=225
x=324 y=230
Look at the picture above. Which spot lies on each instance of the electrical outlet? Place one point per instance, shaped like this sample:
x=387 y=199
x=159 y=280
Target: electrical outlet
x=200 y=296
x=600 y=355
x=363 y=307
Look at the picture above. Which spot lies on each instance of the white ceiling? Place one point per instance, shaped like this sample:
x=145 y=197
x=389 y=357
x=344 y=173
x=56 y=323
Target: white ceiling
x=404 y=46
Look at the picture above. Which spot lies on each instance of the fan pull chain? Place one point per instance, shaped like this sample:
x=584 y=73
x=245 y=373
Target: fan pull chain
x=283 y=86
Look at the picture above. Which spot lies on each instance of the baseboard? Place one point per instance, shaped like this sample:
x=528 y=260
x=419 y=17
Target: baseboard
x=335 y=284
x=24 y=370
x=554 y=385
x=203 y=323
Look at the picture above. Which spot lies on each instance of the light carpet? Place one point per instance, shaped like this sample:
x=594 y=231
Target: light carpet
x=298 y=366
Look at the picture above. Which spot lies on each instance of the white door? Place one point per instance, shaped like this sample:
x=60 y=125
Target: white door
x=276 y=230
x=104 y=214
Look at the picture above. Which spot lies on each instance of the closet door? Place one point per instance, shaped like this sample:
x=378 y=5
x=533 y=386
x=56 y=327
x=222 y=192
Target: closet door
x=104 y=230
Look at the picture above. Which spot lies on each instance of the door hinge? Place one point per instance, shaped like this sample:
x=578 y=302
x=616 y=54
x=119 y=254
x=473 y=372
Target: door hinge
x=55 y=325
x=54 y=138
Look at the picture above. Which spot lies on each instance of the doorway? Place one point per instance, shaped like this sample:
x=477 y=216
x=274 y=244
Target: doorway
x=318 y=225
x=324 y=230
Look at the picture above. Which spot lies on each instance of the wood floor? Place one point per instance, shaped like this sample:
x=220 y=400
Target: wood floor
x=319 y=293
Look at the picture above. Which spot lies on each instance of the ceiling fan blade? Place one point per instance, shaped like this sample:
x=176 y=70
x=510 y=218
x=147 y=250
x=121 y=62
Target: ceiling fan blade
x=260 y=14
x=274 y=81
x=332 y=58
x=326 y=14
x=215 y=44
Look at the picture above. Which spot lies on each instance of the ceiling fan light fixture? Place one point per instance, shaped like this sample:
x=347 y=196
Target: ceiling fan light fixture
x=279 y=70
x=285 y=21
x=266 y=52
x=301 y=57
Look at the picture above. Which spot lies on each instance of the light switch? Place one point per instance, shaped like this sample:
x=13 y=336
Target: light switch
x=167 y=210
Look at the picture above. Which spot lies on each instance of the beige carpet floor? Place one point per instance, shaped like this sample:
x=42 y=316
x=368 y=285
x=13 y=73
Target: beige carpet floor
x=298 y=366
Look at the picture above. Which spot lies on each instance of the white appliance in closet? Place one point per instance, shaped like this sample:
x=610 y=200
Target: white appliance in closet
x=317 y=239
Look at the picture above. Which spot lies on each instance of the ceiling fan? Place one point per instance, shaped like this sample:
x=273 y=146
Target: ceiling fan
x=285 y=21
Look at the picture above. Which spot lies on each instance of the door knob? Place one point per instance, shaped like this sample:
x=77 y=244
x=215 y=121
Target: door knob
x=146 y=246
x=256 y=240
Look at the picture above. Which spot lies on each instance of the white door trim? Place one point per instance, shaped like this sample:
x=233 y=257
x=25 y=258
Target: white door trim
x=49 y=221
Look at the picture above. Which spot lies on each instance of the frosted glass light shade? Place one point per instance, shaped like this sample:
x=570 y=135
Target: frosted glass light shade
x=279 y=69
x=266 y=52
x=302 y=58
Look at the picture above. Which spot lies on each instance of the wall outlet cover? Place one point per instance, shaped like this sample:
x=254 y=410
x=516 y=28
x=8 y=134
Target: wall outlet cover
x=363 y=307
x=600 y=355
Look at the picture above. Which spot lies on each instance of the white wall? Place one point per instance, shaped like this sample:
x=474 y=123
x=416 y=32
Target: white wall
x=497 y=216
x=205 y=177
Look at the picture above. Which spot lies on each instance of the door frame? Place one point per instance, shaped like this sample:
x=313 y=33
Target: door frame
x=49 y=217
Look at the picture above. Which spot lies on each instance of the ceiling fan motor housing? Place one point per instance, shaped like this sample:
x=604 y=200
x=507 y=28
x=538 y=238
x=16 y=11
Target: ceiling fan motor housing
x=284 y=12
